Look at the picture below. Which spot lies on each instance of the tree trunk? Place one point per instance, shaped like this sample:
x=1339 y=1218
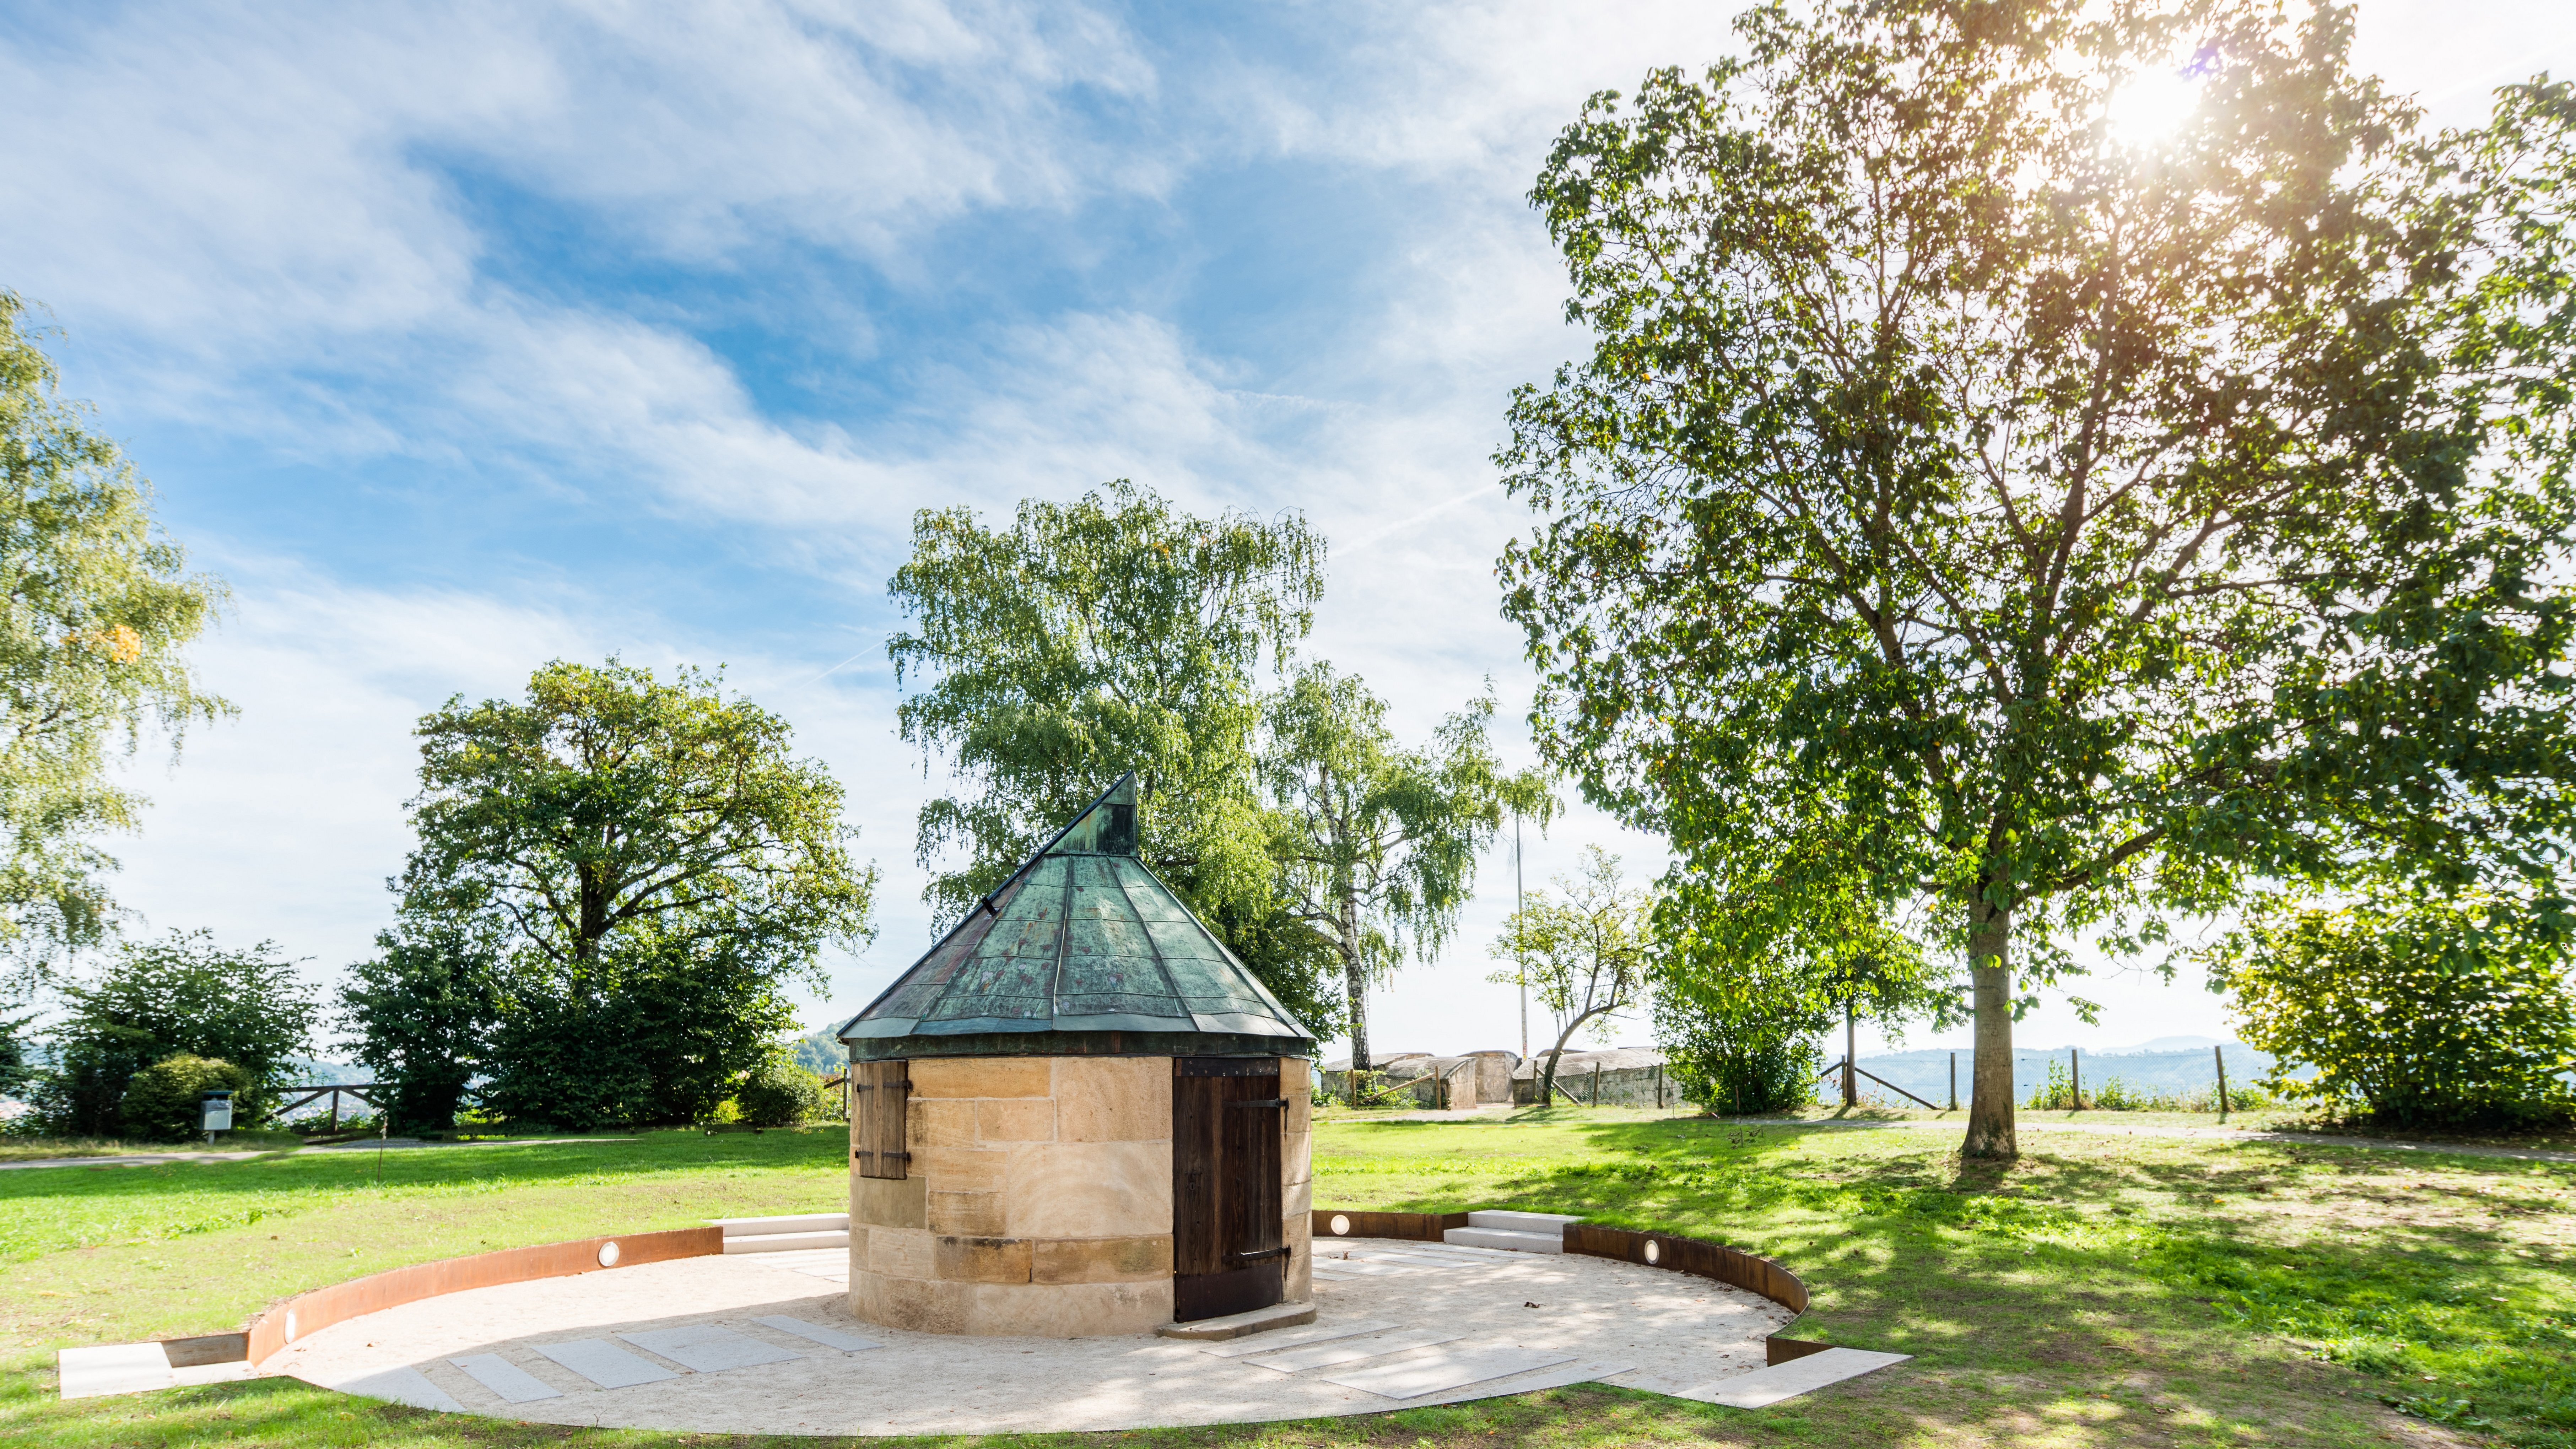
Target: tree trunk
x=1990 y=1105
x=1355 y=980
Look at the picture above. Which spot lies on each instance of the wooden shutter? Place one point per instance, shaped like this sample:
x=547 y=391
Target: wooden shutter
x=879 y=1094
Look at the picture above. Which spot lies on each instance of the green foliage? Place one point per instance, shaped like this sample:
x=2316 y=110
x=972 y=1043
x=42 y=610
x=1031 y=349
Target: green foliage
x=1377 y=842
x=1741 y=1052
x=1584 y=957
x=1110 y=634
x=1088 y=639
x=780 y=1093
x=2445 y=1012
x=181 y=995
x=2074 y=521
x=651 y=867
x=161 y=1103
x=418 y=1015
x=101 y=608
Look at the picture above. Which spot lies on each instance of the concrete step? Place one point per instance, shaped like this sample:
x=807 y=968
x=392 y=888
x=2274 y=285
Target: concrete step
x=1521 y=1222
x=1236 y=1325
x=797 y=1223
x=1506 y=1239
x=787 y=1242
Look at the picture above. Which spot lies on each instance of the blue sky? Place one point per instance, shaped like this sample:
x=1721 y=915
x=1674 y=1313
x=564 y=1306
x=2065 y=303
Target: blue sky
x=462 y=337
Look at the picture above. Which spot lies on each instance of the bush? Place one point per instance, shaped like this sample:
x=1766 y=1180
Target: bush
x=181 y=995
x=1737 y=1059
x=2420 y=1012
x=782 y=1094
x=161 y=1103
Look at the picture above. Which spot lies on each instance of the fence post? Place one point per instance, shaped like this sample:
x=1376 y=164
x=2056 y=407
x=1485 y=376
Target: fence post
x=1596 y=1084
x=335 y=1111
x=2218 y=1055
x=1954 y=1081
x=2075 y=1079
x=1851 y=1047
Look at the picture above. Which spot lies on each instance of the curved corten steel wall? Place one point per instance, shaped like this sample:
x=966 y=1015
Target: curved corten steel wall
x=1695 y=1256
x=307 y=1312
x=1413 y=1227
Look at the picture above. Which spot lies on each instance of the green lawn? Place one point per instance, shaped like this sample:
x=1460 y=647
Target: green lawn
x=2102 y=1291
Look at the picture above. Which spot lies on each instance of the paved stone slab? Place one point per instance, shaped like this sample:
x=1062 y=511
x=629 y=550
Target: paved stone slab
x=1530 y=1383
x=113 y=1368
x=709 y=1349
x=1352 y=1350
x=1288 y=1338
x=1430 y=1373
x=817 y=1333
x=1362 y=1268
x=1766 y=1386
x=514 y=1384
x=401 y=1386
x=604 y=1363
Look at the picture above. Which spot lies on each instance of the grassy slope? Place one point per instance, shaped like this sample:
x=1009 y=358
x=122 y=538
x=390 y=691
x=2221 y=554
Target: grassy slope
x=2103 y=1291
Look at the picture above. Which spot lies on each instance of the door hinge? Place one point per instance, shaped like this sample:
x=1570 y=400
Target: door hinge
x=1255 y=1257
x=1261 y=1102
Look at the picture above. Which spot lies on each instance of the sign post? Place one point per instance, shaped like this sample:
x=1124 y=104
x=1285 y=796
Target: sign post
x=215 y=1113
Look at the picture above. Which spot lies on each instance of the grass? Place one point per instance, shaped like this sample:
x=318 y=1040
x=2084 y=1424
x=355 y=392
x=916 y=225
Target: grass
x=2102 y=1291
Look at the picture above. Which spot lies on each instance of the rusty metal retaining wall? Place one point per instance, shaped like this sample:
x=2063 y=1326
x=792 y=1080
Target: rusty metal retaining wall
x=307 y=1312
x=1414 y=1227
x=1695 y=1256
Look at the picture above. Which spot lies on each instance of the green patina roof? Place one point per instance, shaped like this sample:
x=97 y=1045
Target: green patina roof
x=1083 y=950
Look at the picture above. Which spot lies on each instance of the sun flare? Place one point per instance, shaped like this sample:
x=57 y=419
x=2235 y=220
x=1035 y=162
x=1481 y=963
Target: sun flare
x=2152 y=105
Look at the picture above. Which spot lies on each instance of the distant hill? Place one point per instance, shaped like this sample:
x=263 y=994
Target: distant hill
x=1927 y=1073
x=820 y=1051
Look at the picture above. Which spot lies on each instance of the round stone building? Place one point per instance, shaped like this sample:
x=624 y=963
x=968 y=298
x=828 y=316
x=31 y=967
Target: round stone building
x=1078 y=1114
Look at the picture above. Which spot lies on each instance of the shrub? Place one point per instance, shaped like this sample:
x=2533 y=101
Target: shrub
x=2420 y=1012
x=181 y=995
x=161 y=1102
x=1737 y=1059
x=782 y=1094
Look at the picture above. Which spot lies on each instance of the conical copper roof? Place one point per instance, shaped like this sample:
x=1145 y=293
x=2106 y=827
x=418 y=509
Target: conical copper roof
x=1083 y=951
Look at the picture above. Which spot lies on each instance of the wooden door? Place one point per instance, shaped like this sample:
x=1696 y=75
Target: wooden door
x=1229 y=1253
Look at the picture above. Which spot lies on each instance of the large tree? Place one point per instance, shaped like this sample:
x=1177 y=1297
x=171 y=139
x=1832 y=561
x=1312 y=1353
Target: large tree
x=2082 y=454
x=654 y=867
x=1090 y=638
x=1378 y=843
x=100 y=609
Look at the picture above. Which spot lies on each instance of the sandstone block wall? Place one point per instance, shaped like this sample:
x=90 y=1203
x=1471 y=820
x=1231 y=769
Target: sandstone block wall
x=1039 y=1199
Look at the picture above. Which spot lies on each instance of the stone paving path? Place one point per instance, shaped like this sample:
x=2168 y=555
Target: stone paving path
x=764 y=1343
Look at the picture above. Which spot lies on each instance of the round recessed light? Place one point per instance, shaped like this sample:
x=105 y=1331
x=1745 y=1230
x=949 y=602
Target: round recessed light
x=608 y=1255
x=1341 y=1226
x=1654 y=1251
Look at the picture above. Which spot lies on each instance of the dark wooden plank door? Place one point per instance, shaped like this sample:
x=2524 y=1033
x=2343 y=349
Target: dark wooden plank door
x=1229 y=1254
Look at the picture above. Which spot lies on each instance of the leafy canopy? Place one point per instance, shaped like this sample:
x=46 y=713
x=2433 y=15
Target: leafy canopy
x=101 y=606
x=651 y=866
x=2068 y=520
x=1091 y=638
x=2415 y=1011
x=1375 y=842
